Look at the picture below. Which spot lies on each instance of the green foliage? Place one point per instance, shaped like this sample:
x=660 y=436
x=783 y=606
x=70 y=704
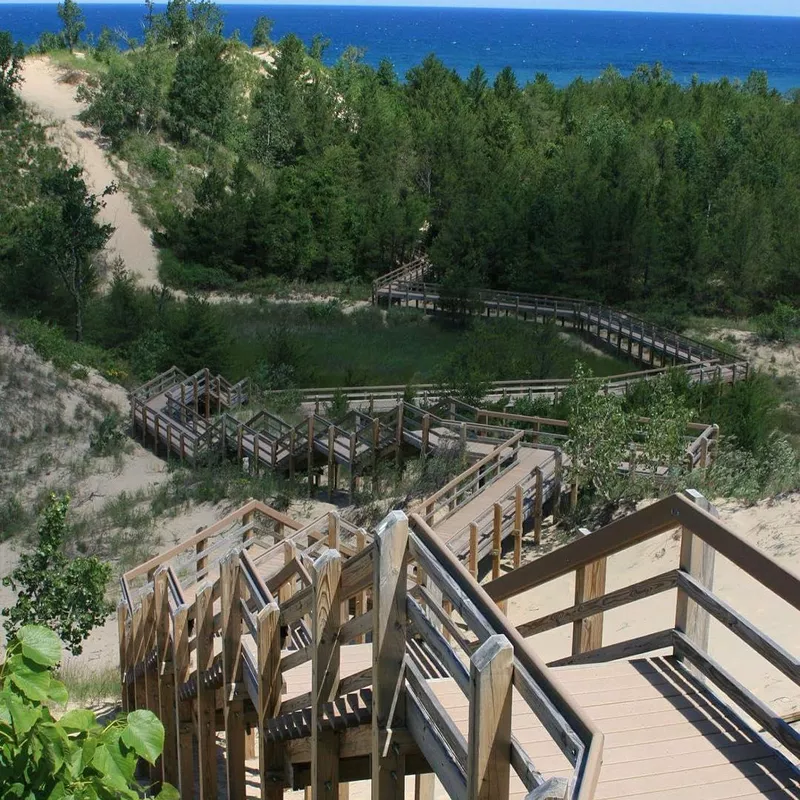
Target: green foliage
x=109 y=437
x=72 y=21
x=664 y=439
x=262 y=31
x=782 y=324
x=599 y=435
x=11 y=55
x=338 y=406
x=66 y=595
x=73 y=756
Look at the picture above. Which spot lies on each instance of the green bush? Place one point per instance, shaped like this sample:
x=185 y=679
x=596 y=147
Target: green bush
x=66 y=595
x=187 y=275
x=782 y=324
x=73 y=756
x=109 y=437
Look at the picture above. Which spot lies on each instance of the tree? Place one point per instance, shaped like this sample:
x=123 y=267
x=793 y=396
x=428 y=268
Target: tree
x=262 y=31
x=66 y=234
x=599 y=435
x=72 y=19
x=74 y=755
x=65 y=595
x=11 y=55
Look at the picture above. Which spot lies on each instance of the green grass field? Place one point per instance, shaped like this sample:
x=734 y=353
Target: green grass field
x=326 y=347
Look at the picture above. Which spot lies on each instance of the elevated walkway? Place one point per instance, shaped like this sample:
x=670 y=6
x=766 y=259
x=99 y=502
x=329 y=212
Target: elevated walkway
x=328 y=655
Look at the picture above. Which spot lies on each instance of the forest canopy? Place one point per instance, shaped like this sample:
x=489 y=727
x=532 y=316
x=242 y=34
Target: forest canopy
x=625 y=189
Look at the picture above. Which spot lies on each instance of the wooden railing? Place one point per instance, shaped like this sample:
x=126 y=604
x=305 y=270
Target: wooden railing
x=380 y=722
x=702 y=536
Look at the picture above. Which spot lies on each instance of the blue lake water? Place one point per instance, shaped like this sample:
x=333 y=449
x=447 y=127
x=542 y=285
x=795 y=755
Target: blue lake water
x=563 y=44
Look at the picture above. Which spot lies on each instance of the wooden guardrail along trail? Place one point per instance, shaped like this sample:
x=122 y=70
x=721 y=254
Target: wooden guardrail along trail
x=329 y=654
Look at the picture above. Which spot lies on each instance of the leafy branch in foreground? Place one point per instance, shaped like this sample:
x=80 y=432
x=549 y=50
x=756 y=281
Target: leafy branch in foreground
x=67 y=596
x=74 y=756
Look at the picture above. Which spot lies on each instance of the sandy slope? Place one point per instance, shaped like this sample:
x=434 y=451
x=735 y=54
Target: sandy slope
x=56 y=103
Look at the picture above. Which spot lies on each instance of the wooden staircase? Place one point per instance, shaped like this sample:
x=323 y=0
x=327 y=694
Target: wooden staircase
x=327 y=654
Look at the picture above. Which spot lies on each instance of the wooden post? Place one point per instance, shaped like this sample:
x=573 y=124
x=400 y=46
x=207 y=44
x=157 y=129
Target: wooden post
x=138 y=644
x=326 y=622
x=489 y=754
x=497 y=543
x=426 y=432
x=122 y=616
x=292 y=436
x=206 y=697
x=538 y=509
x=399 y=453
x=388 y=653
x=697 y=559
x=166 y=671
x=180 y=633
x=424 y=786
x=332 y=462
x=156 y=434
x=232 y=706
x=361 y=597
x=333 y=530
x=270 y=756
x=310 y=455
x=144 y=425
x=517 y=526
x=590 y=583
x=473 y=549
x=208 y=395
x=573 y=495
x=201 y=560
x=557 y=477
x=151 y=676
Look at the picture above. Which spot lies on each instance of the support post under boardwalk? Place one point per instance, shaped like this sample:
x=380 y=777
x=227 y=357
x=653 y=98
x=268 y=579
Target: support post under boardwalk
x=180 y=634
x=489 y=754
x=388 y=652
x=167 y=708
x=590 y=583
x=206 y=697
x=232 y=707
x=270 y=754
x=326 y=622
x=697 y=559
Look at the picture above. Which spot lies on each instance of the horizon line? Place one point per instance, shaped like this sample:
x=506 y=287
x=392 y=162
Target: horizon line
x=423 y=5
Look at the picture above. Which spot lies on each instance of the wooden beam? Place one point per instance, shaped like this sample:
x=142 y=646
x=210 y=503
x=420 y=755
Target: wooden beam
x=388 y=652
x=630 y=647
x=167 y=706
x=743 y=697
x=206 y=698
x=325 y=652
x=180 y=637
x=232 y=705
x=269 y=697
x=697 y=560
x=489 y=752
x=497 y=540
x=151 y=674
x=517 y=526
x=620 y=597
x=122 y=634
x=590 y=583
x=538 y=513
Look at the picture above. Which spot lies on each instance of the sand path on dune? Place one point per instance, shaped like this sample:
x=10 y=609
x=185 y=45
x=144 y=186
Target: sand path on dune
x=55 y=102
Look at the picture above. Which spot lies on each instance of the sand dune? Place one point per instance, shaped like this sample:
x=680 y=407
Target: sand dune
x=56 y=103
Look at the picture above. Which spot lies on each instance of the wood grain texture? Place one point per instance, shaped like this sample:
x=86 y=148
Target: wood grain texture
x=489 y=751
x=269 y=693
x=590 y=583
x=206 y=697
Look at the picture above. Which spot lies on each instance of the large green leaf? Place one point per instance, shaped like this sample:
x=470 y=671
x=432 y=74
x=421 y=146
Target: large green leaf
x=33 y=683
x=168 y=792
x=40 y=644
x=23 y=716
x=79 y=719
x=116 y=768
x=144 y=734
x=57 y=692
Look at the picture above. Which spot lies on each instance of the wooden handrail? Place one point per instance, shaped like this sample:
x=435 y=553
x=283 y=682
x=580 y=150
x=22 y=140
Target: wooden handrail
x=586 y=730
x=471 y=471
x=621 y=534
x=212 y=530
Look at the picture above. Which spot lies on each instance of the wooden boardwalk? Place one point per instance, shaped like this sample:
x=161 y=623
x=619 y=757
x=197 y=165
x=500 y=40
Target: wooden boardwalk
x=371 y=656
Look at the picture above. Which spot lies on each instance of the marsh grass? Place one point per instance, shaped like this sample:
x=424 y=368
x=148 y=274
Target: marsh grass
x=87 y=686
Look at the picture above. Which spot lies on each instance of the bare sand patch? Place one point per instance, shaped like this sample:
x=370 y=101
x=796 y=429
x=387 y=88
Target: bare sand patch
x=55 y=102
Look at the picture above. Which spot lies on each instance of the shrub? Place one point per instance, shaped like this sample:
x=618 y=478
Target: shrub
x=67 y=596
x=109 y=437
x=782 y=324
x=73 y=756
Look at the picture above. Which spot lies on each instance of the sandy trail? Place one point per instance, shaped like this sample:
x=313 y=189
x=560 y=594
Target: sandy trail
x=56 y=102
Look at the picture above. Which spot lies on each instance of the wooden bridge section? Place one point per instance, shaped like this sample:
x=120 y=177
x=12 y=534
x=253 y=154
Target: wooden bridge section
x=645 y=343
x=311 y=657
